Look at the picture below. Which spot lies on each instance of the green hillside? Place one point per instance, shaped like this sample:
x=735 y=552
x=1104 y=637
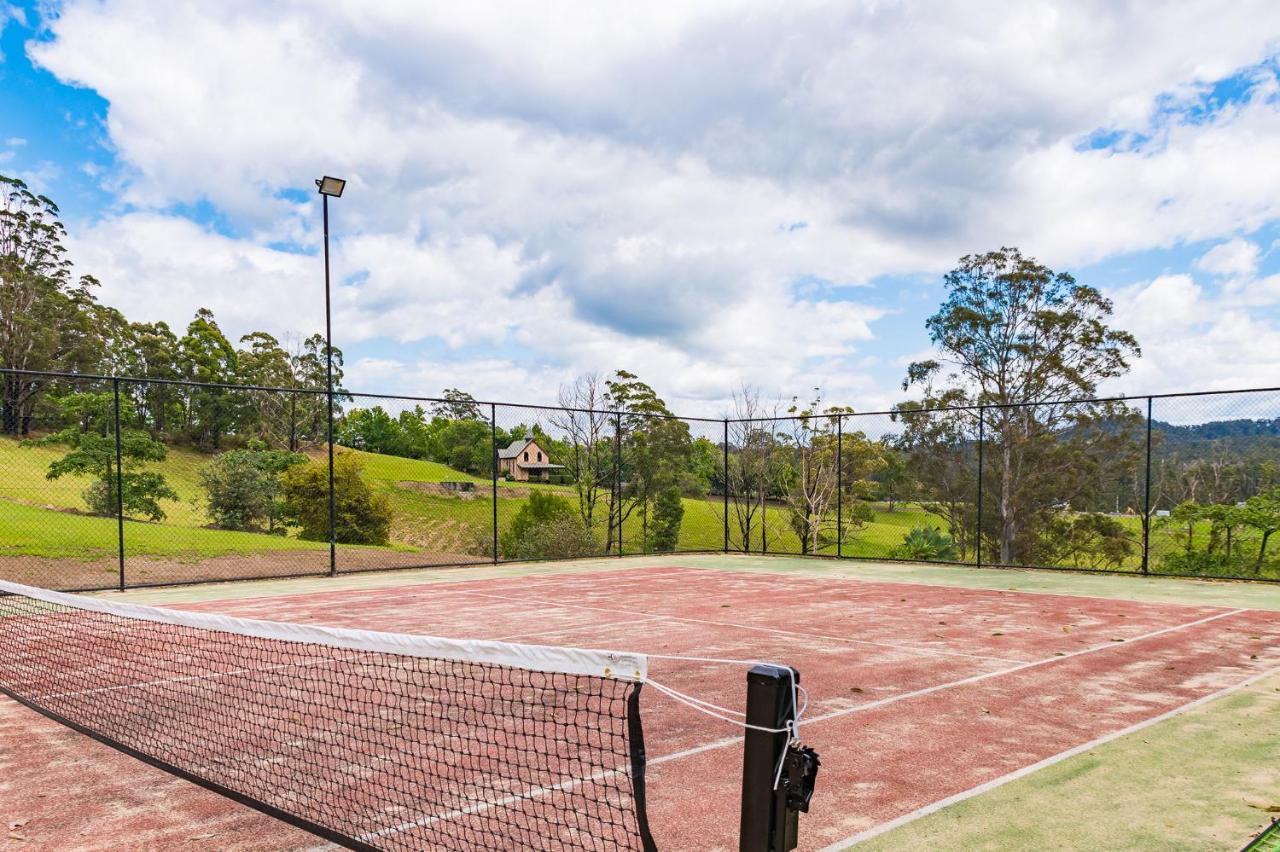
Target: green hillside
x=45 y=518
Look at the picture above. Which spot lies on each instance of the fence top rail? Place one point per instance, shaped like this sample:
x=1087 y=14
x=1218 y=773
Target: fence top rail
x=346 y=392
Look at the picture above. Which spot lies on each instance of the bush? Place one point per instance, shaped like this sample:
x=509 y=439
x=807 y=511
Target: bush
x=547 y=527
x=668 y=512
x=1090 y=540
x=243 y=489
x=362 y=516
x=140 y=490
x=926 y=544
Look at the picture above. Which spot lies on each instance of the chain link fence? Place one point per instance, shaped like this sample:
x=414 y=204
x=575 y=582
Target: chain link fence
x=123 y=482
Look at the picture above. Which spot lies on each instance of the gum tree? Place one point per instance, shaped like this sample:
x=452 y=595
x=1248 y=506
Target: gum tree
x=1025 y=341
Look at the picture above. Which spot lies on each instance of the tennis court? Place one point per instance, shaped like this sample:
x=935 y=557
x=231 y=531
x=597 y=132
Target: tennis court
x=918 y=692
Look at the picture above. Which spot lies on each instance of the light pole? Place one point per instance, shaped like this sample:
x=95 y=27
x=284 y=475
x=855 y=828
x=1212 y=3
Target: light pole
x=329 y=186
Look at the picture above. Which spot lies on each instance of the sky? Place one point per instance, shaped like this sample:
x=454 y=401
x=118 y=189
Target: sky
x=706 y=194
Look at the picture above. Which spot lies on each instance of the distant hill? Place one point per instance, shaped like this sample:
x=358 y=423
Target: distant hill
x=1216 y=430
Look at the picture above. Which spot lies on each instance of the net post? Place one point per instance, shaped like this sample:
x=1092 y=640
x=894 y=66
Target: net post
x=766 y=824
x=115 y=394
x=493 y=463
x=726 y=485
x=1146 y=501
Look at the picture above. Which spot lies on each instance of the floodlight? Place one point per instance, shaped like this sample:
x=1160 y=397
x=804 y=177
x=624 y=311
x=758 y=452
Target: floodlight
x=331 y=186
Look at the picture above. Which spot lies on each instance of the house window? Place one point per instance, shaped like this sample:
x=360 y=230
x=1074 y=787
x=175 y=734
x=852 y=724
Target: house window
x=539 y=456
x=526 y=455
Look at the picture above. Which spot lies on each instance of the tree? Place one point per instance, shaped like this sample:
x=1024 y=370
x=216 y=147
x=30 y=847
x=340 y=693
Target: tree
x=752 y=467
x=93 y=453
x=895 y=480
x=547 y=527
x=309 y=371
x=268 y=415
x=243 y=489
x=1262 y=513
x=589 y=435
x=372 y=430
x=655 y=452
x=155 y=354
x=362 y=515
x=1012 y=333
x=457 y=405
x=208 y=357
x=668 y=513
x=46 y=320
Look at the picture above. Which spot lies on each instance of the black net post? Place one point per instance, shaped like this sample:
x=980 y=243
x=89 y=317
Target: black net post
x=115 y=393
x=977 y=534
x=726 y=485
x=493 y=463
x=1146 y=501
x=767 y=825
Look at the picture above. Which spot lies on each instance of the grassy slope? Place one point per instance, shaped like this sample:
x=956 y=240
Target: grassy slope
x=439 y=523
x=1203 y=780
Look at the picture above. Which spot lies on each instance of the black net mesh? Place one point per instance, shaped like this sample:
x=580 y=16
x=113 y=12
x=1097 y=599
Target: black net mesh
x=382 y=749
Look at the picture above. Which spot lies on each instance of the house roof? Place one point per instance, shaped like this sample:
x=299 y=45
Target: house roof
x=540 y=466
x=514 y=448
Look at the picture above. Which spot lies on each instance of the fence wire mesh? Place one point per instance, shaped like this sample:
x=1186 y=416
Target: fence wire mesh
x=130 y=482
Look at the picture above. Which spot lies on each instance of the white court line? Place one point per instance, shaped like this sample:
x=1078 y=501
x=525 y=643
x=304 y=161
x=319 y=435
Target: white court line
x=1048 y=761
x=512 y=637
x=929 y=690
x=755 y=627
x=541 y=791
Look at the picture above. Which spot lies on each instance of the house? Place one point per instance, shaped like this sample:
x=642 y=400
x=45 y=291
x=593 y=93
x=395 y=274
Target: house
x=524 y=459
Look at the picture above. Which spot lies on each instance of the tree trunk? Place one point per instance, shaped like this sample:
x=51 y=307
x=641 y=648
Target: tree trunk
x=1262 y=551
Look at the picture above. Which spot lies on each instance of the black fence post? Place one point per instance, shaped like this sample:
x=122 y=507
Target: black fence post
x=839 y=485
x=1146 y=501
x=617 y=473
x=766 y=823
x=293 y=422
x=726 y=485
x=493 y=463
x=977 y=536
x=115 y=393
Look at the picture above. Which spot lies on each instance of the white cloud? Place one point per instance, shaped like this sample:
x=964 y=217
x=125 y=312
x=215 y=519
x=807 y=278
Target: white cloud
x=1237 y=258
x=590 y=187
x=1196 y=339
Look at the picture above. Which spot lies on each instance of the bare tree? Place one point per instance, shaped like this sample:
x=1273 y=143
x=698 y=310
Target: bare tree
x=752 y=467
x=589 y=430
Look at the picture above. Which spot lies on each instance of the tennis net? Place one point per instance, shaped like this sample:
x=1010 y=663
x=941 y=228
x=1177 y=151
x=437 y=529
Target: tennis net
x=371 y=740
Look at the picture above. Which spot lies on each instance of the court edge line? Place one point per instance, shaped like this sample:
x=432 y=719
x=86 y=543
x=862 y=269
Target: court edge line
x=765 y=572
x=782 y=631
x=928 y=690
x=1044 y=764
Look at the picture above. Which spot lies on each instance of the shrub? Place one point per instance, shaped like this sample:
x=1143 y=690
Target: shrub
x=93 y=452
x=547 y=527
x=926 y=544
x=140 y=492
x=1090 y=540
x=362 y=515
x=243 y=489
x=668 y=512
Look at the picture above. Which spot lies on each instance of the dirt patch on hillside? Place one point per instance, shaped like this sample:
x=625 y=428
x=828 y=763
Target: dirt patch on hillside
x=482 y=490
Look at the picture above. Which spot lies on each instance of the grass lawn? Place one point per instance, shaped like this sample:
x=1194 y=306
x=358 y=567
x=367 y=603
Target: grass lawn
x=31 y=531
x=425 y=520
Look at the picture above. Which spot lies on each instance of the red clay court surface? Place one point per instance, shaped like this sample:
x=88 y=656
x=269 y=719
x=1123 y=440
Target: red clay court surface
x=916 y=692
